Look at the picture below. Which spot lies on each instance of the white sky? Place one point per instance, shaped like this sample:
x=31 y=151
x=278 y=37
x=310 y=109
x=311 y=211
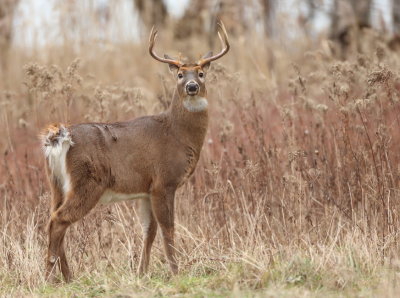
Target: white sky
x=38 y=21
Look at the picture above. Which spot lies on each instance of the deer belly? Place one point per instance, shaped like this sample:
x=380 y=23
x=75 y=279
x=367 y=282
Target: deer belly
x=110 y=196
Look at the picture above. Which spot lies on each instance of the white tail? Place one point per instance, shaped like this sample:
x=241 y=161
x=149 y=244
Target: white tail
x=56 y=143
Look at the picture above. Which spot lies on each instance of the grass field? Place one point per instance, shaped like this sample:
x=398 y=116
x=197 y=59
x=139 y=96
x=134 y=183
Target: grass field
x=296 y=192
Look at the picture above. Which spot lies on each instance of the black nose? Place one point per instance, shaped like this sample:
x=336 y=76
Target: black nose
x=192 y=87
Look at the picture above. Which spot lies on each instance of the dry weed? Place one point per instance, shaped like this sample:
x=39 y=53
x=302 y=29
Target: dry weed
x=296 y=192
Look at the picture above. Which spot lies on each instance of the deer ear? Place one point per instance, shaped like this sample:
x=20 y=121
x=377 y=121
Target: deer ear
x=208 y=55
x=172 y=67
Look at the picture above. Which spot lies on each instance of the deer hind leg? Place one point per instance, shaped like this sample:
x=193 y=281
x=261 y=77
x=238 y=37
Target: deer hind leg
x=149 y=226
x=162 y=202
x=77 y=204
x=57 y=231
x=57 y=198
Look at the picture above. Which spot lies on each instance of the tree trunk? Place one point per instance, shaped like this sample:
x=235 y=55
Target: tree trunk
x=7 y=11
x=334 y=19
x=362 y=12
x=268 y=11
x=151 y=12
x=348 y=18
x=396 y=16
x=192 y=22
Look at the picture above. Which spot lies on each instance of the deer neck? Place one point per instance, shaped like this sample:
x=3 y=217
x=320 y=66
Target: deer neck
x=189 y=117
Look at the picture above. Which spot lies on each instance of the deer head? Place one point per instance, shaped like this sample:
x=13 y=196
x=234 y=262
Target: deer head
x=190 y=77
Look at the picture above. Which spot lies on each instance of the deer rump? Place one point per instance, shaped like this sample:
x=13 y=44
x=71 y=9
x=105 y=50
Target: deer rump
x=125 y=158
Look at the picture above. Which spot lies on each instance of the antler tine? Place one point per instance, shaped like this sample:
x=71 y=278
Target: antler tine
x=222 y=27
x=224 y=42
x=152 y=41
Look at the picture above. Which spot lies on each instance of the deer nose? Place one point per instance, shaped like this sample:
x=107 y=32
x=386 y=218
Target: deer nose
x=192 y=88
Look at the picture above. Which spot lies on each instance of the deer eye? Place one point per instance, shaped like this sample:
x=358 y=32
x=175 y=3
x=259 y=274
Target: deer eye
x=180 y=75
x=201 y=74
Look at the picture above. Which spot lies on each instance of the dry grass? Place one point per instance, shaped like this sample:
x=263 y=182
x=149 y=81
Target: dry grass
x=296 y=192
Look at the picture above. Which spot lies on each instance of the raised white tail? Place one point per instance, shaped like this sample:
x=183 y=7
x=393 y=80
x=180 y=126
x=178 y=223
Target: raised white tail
x=56 y=141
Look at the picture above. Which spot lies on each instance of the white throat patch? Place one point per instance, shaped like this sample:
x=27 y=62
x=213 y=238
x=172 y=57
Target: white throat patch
x=195 y=103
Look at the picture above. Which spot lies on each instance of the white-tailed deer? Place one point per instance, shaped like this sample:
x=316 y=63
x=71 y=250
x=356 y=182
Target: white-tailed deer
x=147 y=158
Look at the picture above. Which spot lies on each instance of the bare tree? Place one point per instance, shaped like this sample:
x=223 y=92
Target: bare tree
x=394 y=42
x=305 y=20
x=7 y=8
x=312 y=6
x=362 y=12
x=268 y=7
x=192 y=22
x=396 y=16
x=7 y=12
x=348 y=19
x=151 y=12
x=201 y=18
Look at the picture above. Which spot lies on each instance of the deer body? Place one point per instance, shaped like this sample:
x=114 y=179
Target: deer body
x=147 y=158
x=126 y=158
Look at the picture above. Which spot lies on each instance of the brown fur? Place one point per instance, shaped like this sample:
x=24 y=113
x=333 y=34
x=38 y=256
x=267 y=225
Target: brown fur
x=151 y=154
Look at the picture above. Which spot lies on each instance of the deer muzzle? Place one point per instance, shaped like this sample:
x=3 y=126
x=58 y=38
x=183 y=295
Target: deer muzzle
x=192 y=88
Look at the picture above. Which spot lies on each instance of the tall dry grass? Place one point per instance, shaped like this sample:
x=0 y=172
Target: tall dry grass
x=297 y=186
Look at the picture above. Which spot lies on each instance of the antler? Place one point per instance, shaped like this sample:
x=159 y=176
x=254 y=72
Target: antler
x=224 y=43
x=153 y=36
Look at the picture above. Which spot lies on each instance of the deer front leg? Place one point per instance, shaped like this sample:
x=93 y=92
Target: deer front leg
x=149 y=226
x=162 y=202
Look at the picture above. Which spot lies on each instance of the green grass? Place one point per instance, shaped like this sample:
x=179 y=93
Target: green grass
x=297 y=278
